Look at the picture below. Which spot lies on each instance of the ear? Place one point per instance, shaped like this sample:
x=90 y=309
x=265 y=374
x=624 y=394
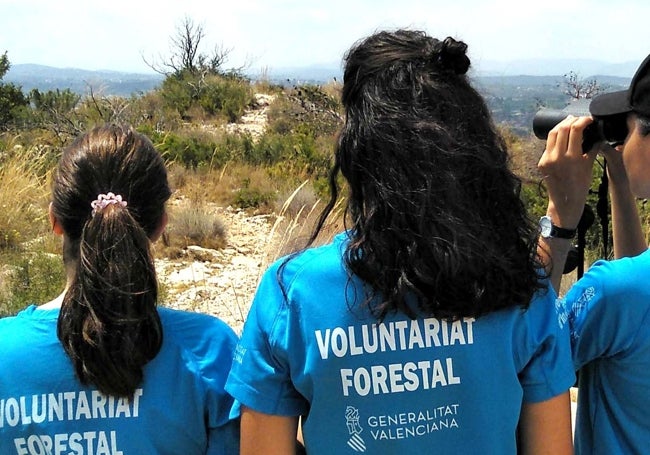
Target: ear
x=161 y=227
x=56 y=226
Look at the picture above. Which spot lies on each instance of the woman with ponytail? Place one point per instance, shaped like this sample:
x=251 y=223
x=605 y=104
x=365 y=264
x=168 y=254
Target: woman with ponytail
x=102 y=369
x=427 y=326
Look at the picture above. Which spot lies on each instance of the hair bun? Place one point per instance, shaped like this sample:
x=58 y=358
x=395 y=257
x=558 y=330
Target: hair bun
x=451 y=54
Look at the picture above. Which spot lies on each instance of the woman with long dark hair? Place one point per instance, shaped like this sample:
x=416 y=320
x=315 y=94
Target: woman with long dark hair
x=427 y=326
x=102 y=369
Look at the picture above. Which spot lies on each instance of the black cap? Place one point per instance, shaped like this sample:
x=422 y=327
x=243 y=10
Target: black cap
x=635 y=99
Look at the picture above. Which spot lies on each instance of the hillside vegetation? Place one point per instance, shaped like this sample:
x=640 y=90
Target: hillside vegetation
x=195 y=119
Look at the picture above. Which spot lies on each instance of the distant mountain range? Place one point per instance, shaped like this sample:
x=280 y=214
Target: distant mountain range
x=514 y=91
x=549 y=67
x=586 y=69
x=517 y=72
x=43 y=78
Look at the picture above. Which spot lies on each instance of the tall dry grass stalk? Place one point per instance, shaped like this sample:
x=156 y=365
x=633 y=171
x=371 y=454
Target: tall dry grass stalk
x=23 y=196
x=295 y=223
x=220 y=185
x=31 y=270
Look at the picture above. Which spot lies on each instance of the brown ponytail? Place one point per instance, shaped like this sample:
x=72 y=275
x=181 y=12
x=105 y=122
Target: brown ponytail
x=109 y=325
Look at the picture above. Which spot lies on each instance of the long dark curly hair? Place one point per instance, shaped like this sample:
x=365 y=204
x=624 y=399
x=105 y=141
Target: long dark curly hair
x=435 y=210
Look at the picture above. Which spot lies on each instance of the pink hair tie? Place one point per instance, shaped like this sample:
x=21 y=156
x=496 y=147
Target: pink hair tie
x=104 y=200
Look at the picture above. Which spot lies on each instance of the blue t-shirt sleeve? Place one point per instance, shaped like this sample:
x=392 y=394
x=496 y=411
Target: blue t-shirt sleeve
x=604 y=310
x=212 y=348
x=260 y=377
x=545 y=350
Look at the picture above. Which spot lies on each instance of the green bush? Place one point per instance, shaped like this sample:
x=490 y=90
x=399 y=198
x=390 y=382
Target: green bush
x=149 y=112
x=56 y=110
x=54 y=101
x=36 y=279
x=269 y=149
x=13 y=103
x=186 y=149
x=252 y=197
x=215 y=94
x=178 y=94
x=226 y=96
x=535 y=199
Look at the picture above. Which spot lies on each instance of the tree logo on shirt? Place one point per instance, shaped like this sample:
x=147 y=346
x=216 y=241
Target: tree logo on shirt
x=356 y=442
x=571 y=315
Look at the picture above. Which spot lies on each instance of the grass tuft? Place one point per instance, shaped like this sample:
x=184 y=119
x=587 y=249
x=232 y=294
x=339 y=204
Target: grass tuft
x=195 y=224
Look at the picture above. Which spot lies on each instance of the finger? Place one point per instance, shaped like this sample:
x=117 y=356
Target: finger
x=551 y=143
x=562 y=133
x=551 y=152
x=551 y=138
x=576 y=135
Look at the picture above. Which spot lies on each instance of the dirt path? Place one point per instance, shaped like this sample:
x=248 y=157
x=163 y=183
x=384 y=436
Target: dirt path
x=221 y=282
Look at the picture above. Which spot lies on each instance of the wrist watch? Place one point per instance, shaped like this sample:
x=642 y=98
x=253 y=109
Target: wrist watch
x=549 y=230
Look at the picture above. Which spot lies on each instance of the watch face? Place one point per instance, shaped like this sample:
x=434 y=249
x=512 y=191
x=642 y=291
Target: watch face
x=545 y=226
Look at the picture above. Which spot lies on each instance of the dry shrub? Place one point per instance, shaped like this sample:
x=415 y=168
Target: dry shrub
x=193 y=223
x=225 y=185
x=333 y=89
x=524 y=154
x=5 y=286
x=262 y=83
x=197 y=185
x=197 y=114
x=179 y=176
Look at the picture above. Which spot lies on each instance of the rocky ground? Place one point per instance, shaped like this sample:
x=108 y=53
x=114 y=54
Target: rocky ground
x=221 y=282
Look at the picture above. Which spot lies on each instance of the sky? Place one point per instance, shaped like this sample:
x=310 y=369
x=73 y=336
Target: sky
x=266 y=35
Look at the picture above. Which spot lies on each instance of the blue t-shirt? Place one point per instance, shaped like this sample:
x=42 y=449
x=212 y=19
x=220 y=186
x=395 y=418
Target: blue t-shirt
x=608 y=313
x=421 y=385
x=180 y=408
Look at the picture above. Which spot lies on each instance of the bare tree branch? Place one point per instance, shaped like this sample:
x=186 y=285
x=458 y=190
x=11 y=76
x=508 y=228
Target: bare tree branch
x=578 y=88
x=185 y=54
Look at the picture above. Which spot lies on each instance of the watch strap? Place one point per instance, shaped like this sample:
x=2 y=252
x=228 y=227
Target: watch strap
x=562 y=233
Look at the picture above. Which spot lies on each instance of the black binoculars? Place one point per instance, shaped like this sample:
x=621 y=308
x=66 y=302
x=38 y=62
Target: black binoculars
x=611 y=129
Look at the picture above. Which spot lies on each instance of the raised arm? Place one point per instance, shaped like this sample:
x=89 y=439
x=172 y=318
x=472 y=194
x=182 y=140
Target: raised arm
x=626 y=224
x=567 y=174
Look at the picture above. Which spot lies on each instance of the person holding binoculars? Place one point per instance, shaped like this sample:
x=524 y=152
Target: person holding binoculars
x=608 y=309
